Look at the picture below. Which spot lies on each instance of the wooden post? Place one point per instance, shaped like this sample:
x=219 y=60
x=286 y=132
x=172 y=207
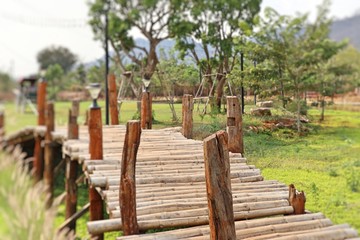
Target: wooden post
x=71 y=168
x=218 y=186
x=114 y=113
x=127 y=179
x=2 y=125
x=297 y=200
x=73 y=127
x=38 y=150
x=48 y=151
x=187 y=115
x=146 y=110
x=234 y=125
x=96 y=153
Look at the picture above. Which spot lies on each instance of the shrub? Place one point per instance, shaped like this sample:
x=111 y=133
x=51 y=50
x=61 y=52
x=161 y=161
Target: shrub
x=24 y=209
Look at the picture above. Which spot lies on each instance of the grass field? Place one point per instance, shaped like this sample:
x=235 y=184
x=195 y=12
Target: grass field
x=325 y=163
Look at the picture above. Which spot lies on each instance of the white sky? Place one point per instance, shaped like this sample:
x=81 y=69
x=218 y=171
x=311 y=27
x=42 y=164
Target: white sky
x=27 y=26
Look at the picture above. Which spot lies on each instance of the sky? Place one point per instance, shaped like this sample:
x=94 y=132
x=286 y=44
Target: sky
x=28 y=26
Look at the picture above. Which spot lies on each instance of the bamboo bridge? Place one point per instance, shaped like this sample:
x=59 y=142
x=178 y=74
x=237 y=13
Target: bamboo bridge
x=160 y=179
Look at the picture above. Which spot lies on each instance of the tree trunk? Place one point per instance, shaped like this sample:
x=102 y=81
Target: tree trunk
x=322 y=116
x=298 y=111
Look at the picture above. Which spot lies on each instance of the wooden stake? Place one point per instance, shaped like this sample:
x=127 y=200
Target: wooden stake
x=71 y=190
x=114 y=113
x=297 y=200
x=146 y=110
x=96 y=153
x=41 y=102
x=234 y=125
x=48 y=151
x=71 y=168
x=2 y=125
x=127 y=180
x=73 y=127
x=218 y=186
x=38 y=150
x=187 y=115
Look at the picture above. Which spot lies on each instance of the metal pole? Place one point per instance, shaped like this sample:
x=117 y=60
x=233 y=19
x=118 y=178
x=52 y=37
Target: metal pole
x=242 y=86
x=106 y=67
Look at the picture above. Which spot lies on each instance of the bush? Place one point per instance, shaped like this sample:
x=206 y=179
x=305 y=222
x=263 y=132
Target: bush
x=292 y=107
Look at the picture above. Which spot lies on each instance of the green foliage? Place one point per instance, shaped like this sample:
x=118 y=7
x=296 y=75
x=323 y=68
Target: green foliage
x=24 y=214
x=292 y=107
x=54 y=75
x=56 y=55
x=6 y=82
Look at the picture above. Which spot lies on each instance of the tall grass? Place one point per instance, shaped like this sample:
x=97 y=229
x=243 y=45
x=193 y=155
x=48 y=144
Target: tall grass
x=23 y=205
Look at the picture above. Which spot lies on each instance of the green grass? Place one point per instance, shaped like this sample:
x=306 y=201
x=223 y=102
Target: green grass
x=325 y=163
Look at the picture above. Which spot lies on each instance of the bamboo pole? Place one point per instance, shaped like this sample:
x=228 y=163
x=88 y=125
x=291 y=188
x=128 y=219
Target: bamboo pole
x=49 y=152
x=96 y=152
x=234 y=125
x=218 y=187
x=127 y=180
x=71 y=168
x=38 y=150
x=187 y=115
x=114 y=113
x=297 y=200
x=146 y=110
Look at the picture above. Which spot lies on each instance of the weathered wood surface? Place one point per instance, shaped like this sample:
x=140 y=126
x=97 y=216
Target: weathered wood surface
x=127 y=189
x=146 y=110
x=113 y=105
x=170 y=181
x=234 y=125
x=187 y=115
x=168 y=203
x=95 y=149
x=49 y=152
x=307 y=226
x=218 y=186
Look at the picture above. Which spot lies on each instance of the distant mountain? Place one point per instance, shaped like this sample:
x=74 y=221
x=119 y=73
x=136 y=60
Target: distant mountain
x=347 y=28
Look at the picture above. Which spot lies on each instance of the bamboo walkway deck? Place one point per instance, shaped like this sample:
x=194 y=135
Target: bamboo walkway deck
x=170 y=189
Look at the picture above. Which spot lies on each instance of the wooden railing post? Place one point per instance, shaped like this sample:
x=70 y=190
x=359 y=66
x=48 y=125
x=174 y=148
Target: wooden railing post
x=114 y=113
x=218 y=186
x=234 y=125
x=96 y=153
x=146 y=110
x=71 y=167
x=48 y=151
x=38 y=151
x=297 y=200
x=187 y=115
x=127 y=180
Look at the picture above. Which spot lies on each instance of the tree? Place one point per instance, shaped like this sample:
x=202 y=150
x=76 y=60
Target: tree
x=172 y=72
x=6 y=82
x=150 y=18
x=213 y=24
x=56 y=55
x=54 y=75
